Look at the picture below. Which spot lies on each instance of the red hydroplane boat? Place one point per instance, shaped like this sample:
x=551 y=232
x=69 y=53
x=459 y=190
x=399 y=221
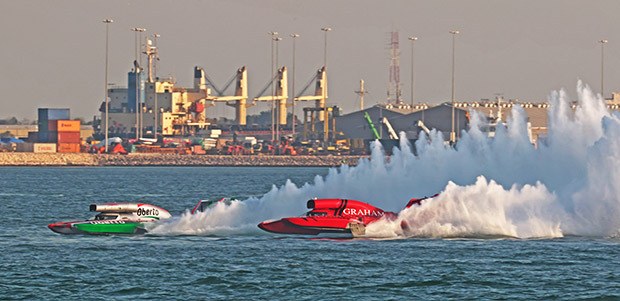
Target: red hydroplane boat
x=332 y=216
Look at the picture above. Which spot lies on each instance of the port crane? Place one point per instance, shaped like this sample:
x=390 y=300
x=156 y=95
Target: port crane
x=421 y=125
x=372 y=126
x=390 y=129
x=280 y=96
x=238 y=100
x=319 y=97
x=391 y=132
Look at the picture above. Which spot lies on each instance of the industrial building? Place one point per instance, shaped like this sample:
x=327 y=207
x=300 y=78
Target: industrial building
x=150 y=105
x=354 y=125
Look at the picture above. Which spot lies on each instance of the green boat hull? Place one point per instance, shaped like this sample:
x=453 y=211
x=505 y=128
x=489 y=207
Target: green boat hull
x=116 y=228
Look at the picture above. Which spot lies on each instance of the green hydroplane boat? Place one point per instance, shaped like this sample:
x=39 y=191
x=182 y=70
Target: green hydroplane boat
x=114 y=218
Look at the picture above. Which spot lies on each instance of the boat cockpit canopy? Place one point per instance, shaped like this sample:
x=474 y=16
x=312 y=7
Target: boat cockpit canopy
x=105 y=217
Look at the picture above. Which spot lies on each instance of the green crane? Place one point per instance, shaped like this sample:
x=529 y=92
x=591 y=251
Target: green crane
x=372 y=126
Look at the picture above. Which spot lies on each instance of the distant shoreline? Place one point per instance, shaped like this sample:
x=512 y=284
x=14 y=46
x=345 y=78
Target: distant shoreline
x=138 y=159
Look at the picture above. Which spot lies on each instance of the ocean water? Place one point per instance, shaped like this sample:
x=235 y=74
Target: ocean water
x=512 y=221
x=37 y=264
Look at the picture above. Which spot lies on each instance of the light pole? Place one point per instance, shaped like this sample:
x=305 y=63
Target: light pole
x=107 y=23
x=326 y=30
x=271 y=77
x=603 y=42
x=452 y=133
x=156 y=110
x=140 y=90
x=137 y=30
x=412 y=39
x=277 y=114
x=325 y=113
x=294 y=36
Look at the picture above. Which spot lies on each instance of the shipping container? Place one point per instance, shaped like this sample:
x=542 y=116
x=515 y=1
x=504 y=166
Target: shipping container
x=68 y=137
x=67 y=126
x=198 y=150
x=42 y=125
x=52 y=126
x=36 y=147
x=33 y=137
x=48 y=137
x=46 y=114
x=44 y=148
x=68 y=147
x=24 y=147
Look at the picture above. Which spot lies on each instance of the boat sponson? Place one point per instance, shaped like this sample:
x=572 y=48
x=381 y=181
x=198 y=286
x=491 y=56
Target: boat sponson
x=285 y=227
x=306 y=225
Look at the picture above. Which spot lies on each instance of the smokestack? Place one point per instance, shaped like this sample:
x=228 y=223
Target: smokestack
x=200 y=80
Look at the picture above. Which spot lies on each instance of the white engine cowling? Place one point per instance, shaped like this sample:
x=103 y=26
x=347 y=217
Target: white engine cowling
x=141 y=210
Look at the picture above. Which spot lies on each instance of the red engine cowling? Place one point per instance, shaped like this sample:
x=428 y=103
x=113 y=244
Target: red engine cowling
x=324 y=203
x=343 y=207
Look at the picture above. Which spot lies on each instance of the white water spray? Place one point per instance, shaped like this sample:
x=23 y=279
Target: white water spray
x=568 y=185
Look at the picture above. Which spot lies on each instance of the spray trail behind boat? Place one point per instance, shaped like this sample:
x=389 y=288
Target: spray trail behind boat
x=503 y=186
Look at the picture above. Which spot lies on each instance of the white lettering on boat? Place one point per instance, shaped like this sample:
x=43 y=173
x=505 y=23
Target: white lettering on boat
x=366 y=212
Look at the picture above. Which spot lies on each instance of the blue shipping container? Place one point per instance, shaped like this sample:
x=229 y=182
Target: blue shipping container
x=48 y=137
x=46 y=114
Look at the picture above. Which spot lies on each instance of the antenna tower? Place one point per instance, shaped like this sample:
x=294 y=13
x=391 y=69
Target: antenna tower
x=361 y=92
x=394 y=92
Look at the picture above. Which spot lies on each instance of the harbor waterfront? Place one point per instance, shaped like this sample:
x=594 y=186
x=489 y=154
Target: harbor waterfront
x=135 y=159
x=450 y=150
x=37 y=264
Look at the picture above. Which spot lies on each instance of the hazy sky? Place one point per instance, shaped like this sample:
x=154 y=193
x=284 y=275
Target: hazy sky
x=52 y=52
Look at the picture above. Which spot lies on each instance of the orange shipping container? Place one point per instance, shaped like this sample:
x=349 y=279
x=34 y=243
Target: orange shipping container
x=68 y=137
x=68 y=147
x=68 y=125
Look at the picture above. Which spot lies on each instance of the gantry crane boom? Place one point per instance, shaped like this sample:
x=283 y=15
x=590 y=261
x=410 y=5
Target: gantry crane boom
x=372 y=126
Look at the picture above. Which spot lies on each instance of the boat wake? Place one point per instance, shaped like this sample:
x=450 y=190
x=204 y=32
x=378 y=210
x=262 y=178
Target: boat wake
x=502 y=187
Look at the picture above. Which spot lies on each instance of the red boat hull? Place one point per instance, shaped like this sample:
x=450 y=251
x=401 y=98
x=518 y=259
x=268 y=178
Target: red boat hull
x=284 y=227
x=307 y=225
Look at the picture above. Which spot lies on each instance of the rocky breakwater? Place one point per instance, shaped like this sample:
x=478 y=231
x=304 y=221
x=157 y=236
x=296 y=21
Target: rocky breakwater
x=217 y=160
x=47 y=159
x=58 y=159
